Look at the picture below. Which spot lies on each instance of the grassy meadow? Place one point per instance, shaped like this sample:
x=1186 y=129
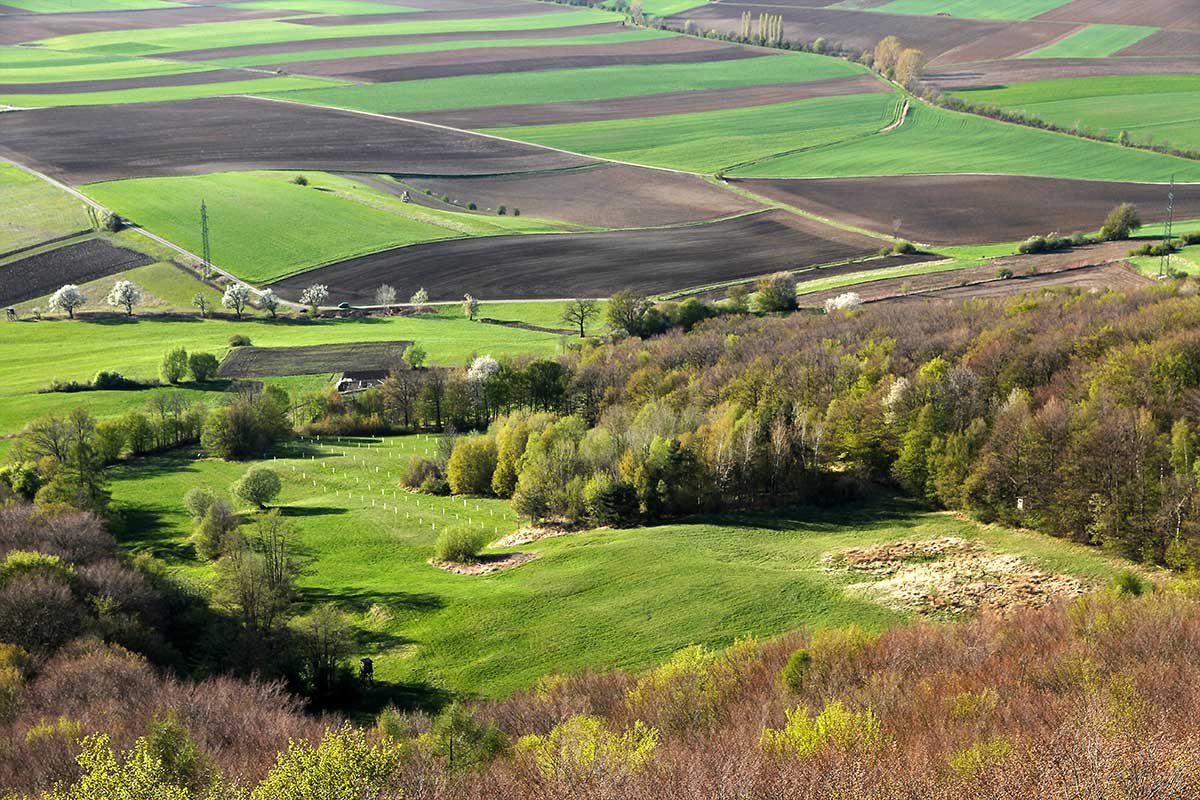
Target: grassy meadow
x=306 y=225
x=606 y=598
x=35 y=211
x=710 y=141
x=89 y=70
x=934 y=141
x=1166 y=107
x=158 y=94
x=76 y=6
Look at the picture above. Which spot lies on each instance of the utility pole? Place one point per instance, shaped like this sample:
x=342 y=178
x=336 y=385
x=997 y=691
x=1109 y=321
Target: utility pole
x=1164 y=265
x=205 y=255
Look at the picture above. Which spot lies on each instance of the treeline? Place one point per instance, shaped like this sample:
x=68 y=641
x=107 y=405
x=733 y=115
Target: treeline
x=1051 y=704
x=1075 y=414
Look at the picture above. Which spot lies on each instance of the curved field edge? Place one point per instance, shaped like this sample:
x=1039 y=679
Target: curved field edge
x=933 y=141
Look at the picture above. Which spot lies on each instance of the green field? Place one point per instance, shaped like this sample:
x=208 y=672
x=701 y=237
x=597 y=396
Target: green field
x=73 y=6
x=935 y=141
x=665 y=8
x=306 y=226
x=92 y=70
x=712 y=140
x=231 y=34
x=32 y=354
x=610 y=598
x=1166 y=107
x=164 y=93
x=1186 y=260
x=971 y=9
x=34 y=211
x=629 y=35
x=568 y=85
x=1094 y=41
x=347 y=8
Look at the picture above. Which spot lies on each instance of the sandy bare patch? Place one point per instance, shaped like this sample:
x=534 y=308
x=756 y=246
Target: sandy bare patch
x=530 y=535
x=950 y=576
x=486 y=565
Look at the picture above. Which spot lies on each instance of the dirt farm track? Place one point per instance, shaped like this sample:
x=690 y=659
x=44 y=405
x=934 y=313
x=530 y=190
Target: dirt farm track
x=591 y=264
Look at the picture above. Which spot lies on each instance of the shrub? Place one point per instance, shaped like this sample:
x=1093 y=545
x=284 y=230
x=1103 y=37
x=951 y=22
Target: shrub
x=417 y=471
x=1004 y=273
x=197 y=501
x=831 y=648
x=239 y=340
x=583 y=746
x=214 y=530
x=203 y=366
x=459 y=545
x=258 y=486
x=462 y=741
x=502 y=210
x=972 y=705
x=904 y=248
x=471 y=207
x=610 y=502
x=113 y=381
x=776 y=292
x=20 y=564
x=847 y=301
x=1121 y=222
x=794 y=671
x=111 y=222
x=1131 y=584
x=344 y=764
x=174 y=365
x=981 y=757
x=471 y=465
x=848 y=731
x=300 y=180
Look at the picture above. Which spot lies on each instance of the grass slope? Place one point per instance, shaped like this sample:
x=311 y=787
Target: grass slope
x=1165 y=106
x=630 y=35
x=246 y=32
x=567 y=85
x=712 y=140
x=34 y=211
x=972 y=9
x=164 y=93
x=1094 y=41
x=305 y=226
x=611 y=598
x=935 y=141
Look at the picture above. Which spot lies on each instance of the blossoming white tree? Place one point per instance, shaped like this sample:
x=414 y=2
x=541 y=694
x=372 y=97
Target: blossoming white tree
x=269 y=301
x=385 y=295
x=124 y=294
x=68 y=298
x=481 y=370
x=847 y=301
x=420 y=297
x=314 y=296
x=236 y=296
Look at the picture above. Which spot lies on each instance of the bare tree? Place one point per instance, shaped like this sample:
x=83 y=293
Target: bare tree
x=385 y=295
x=579 y=313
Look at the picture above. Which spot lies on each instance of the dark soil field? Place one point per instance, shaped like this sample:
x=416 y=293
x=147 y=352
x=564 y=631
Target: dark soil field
x=1017 y=38
x=380 y=41
x=1099 y=266
x=1157 y=13
x=496 y=60
x=973 y=209
x=477 y=11
x=821 y=273
x=649 y=105
x=607 y=196
x=184 y=79
x=1166 y=43
x=990 y=74
x=95 y=143
x=851 y=30
x=44 y=273
x=269 y=362
x=591 y=264
x=31 y=27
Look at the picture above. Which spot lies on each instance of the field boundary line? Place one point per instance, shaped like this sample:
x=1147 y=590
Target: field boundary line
x=758 y=198
x=438 y=126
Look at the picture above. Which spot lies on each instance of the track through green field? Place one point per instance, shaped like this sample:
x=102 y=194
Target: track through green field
x=1166 y=107
x=970 y=9
x=305 y=226
x=164 y=93
x=1094 y=41
x=712 y=140
x=573 y=85
x=206 y=35
x=934 y=141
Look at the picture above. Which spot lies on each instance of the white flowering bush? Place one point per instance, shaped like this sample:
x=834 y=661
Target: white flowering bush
x=848 y=301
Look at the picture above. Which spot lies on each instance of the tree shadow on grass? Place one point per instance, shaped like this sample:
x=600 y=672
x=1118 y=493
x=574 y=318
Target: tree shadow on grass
x=874 y=510
x=360 y=601
x=417 y=696
x=142 y=528
x=311 y=511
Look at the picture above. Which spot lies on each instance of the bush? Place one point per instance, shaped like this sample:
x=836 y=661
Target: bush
x=502 y=210
x=239 y=340
x=300 y=180
x=174 y=365
x=258 y=486
x=459 y=545
x=776 y=292
x=835 y=727
x=113 y=381
x=1121 y=222
x=471 y=465
x=792 y=676
x=471 y=206
x=215 y=529
x=197 y=501
x=1004 y=273
x=417 y=471
x=904 y=248
x=610 y=502
x=1129 y=583
x=203 y=366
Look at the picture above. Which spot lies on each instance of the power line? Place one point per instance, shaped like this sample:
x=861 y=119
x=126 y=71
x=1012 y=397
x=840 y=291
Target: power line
x=1164 y=264
x=205 y=254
